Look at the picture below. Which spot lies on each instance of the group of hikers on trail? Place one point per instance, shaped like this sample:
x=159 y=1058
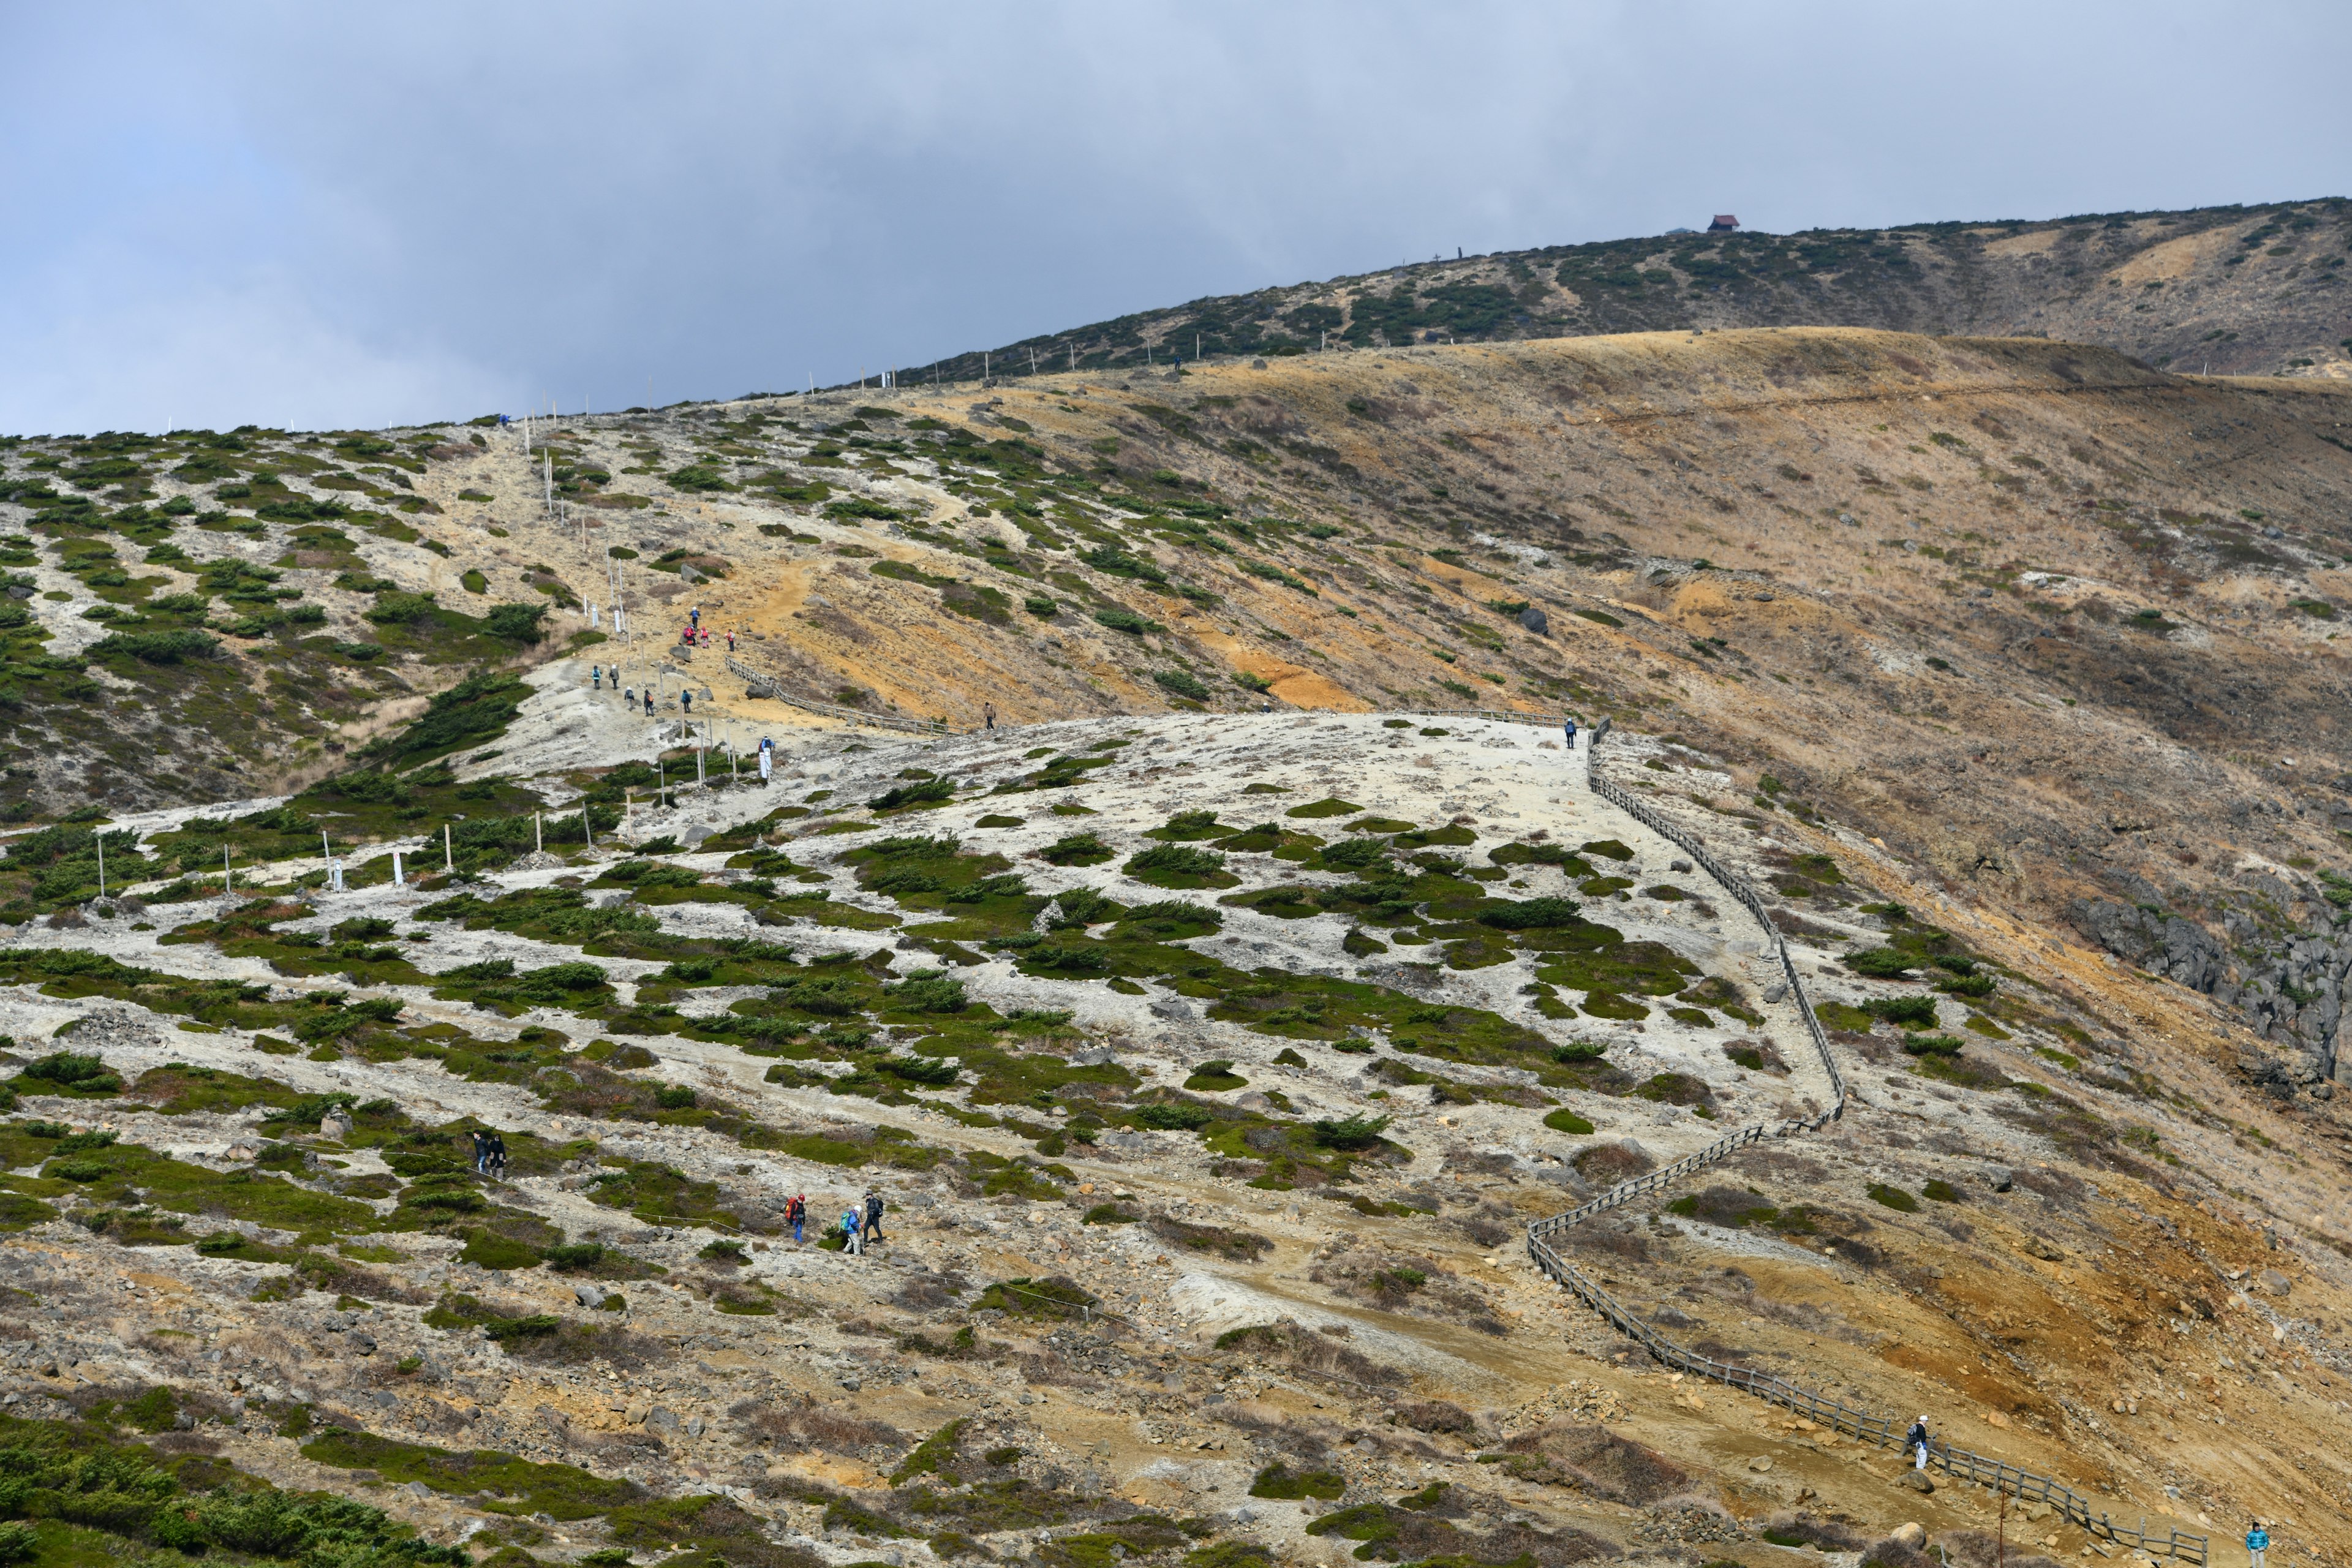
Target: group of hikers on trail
x=856 y=1226
x=489 y=1154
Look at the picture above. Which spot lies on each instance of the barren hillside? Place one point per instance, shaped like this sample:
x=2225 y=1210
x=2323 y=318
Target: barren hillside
x=1213 y=1025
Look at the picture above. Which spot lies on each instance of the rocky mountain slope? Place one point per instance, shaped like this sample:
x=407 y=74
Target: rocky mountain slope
x=1213 y=1023
x=2254 y=291
x=1208 y=1069
x=2059 y=626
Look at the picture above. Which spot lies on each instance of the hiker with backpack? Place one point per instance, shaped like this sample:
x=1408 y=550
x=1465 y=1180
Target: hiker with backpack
x=851 y=1241
x=1916 y=1438
x=796 y=1210
x=873 y=1214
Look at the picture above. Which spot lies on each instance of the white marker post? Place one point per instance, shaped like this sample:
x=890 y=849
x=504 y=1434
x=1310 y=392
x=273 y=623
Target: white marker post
x=448 y=859
x=538 y=832
x=228 y=877
x=399 y=877
x=326 y=853
x=100 y=835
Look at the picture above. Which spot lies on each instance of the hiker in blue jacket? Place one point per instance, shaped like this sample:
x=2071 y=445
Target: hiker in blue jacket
x=2258 y=1541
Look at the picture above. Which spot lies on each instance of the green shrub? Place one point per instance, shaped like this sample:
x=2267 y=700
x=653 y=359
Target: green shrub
x=1121 y=619
x=1183 y=685
x=1178 y=1117
x=1880 y=963
x=517 y=623
x=1351 y=1132
x=1040 y=607
x=1076 y=849
x=926 y=792
x=1917 y=1012
x=675 y=1097
x=1176 y=860
x=1278 y=1480
x=399 y=608
x=1534 y=914
x=157 y=647
x=1932 y=1045
x=70 y=1067
x=1894 y=1198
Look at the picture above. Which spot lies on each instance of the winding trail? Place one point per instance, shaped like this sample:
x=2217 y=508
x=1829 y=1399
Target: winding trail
x=1881 y=1430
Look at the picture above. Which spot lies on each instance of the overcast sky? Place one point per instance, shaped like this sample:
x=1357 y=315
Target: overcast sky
x=329 y=215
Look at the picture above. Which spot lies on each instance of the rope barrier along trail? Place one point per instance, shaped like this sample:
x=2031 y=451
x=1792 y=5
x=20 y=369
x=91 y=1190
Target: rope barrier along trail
x=1880 y=1430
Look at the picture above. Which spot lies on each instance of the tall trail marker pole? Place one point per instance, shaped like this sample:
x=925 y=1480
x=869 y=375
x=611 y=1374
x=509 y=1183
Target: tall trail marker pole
x=448 y=861
x=100 y=838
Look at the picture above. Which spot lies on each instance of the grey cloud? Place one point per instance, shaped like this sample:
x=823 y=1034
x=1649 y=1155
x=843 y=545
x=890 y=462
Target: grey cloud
x=338 y=214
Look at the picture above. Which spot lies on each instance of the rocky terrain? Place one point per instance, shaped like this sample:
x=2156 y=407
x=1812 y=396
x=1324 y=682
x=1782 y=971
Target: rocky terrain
x=1207 y=1104
x=1174 y=896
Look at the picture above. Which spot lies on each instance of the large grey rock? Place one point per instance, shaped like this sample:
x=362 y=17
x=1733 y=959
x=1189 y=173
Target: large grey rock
x=1536 y=621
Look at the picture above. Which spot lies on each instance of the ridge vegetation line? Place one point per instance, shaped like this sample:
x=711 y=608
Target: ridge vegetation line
x=1880 y=1430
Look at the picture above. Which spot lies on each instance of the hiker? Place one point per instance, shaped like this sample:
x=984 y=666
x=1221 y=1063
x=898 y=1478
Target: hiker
x=796 y=1210
x=767 y=758
x=2258 y=1541
x=687 y=698
x=851 y=1240
x=694 y=619
x=988 y=715
x=498 y=1158
x=596 y=675
x=1917 y=1439
x=1571 y=732
x=630 y=697
x=481 y=1150
x=731 y=642
x=873 y=1214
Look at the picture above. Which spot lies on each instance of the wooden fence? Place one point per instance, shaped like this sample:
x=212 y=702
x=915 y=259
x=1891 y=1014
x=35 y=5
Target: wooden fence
x=1836 y=1415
